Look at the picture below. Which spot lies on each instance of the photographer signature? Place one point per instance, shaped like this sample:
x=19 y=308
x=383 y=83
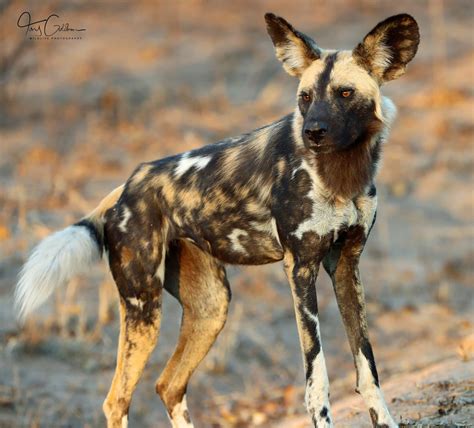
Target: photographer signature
x=45 y=27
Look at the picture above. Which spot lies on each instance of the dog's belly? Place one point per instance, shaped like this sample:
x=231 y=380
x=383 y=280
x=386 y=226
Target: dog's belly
x=247 y=243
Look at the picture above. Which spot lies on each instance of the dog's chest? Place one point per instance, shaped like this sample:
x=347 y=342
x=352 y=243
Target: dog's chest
x=308 y=209
x=327 y=217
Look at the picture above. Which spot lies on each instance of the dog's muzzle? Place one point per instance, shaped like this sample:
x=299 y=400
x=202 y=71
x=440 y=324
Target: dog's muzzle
x=314 y=133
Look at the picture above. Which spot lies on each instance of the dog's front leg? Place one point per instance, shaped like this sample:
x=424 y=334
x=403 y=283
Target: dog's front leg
x=302 y=277
x=342 y=264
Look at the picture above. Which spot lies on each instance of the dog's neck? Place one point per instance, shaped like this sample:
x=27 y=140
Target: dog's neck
x=348 y=173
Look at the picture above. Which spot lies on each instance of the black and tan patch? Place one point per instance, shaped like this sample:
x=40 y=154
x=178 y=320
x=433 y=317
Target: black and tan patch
x=389 y=47
x=294 y=49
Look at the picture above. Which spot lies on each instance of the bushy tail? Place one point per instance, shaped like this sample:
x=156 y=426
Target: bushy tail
x=61 y=256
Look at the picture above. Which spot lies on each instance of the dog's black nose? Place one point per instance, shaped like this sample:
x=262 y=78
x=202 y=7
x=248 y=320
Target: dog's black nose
x=316 y=130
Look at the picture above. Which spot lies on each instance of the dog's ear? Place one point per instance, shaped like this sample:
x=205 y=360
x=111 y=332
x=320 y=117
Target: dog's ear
x=294 y=49
x=389 y=47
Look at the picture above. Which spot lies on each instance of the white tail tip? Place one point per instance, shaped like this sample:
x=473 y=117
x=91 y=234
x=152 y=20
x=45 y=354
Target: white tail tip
x=51 y=264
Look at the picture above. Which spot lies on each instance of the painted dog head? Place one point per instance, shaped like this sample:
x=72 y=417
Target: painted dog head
x=339 y=101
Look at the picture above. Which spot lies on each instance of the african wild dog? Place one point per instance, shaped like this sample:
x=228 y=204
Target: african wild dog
x=300 y=190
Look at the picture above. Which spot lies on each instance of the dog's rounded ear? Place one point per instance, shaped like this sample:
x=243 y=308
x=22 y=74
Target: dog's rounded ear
x=294 y=49
x=389 y=47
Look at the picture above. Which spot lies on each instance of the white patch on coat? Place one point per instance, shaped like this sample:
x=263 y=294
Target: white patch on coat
x=371 y=393
x=124 y=421
x=53 y=263
x=234 y=239
x=160 y=272
x=326 y=216
x=388 y=115
x=186 y=163
x=275 y=230
x=136 y=302
x=389 y=111
x=317 y=387
x=313 y=318
x=177 y=415
x=126 y=216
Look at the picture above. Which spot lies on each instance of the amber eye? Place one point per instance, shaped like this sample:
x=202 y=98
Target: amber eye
x=306 y=97
x=346 y=93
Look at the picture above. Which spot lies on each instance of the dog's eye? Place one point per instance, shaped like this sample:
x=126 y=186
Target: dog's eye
x=305 y=97
x=346 y=92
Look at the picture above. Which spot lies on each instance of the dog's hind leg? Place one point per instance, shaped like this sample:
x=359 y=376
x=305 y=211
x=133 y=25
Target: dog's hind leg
x=201 y=286
x=342 y=264
x=139 y=275
x=136 y=342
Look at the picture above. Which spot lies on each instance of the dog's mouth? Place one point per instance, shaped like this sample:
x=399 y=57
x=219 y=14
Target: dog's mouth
x=332 y=144
x=320 y=145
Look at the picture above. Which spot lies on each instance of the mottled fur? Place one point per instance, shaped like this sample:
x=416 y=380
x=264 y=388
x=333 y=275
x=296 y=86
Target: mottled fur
x=299 y=190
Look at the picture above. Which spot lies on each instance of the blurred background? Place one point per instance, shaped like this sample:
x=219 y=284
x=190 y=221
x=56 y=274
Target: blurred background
x=152 y=78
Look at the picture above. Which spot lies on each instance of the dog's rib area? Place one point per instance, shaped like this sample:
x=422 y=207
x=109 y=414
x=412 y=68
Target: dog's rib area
x=220 y=196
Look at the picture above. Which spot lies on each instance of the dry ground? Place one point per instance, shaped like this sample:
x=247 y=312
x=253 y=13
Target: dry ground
x=150 y=79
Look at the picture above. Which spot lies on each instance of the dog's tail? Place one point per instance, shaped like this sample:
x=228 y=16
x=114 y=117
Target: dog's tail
x=61 y=256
